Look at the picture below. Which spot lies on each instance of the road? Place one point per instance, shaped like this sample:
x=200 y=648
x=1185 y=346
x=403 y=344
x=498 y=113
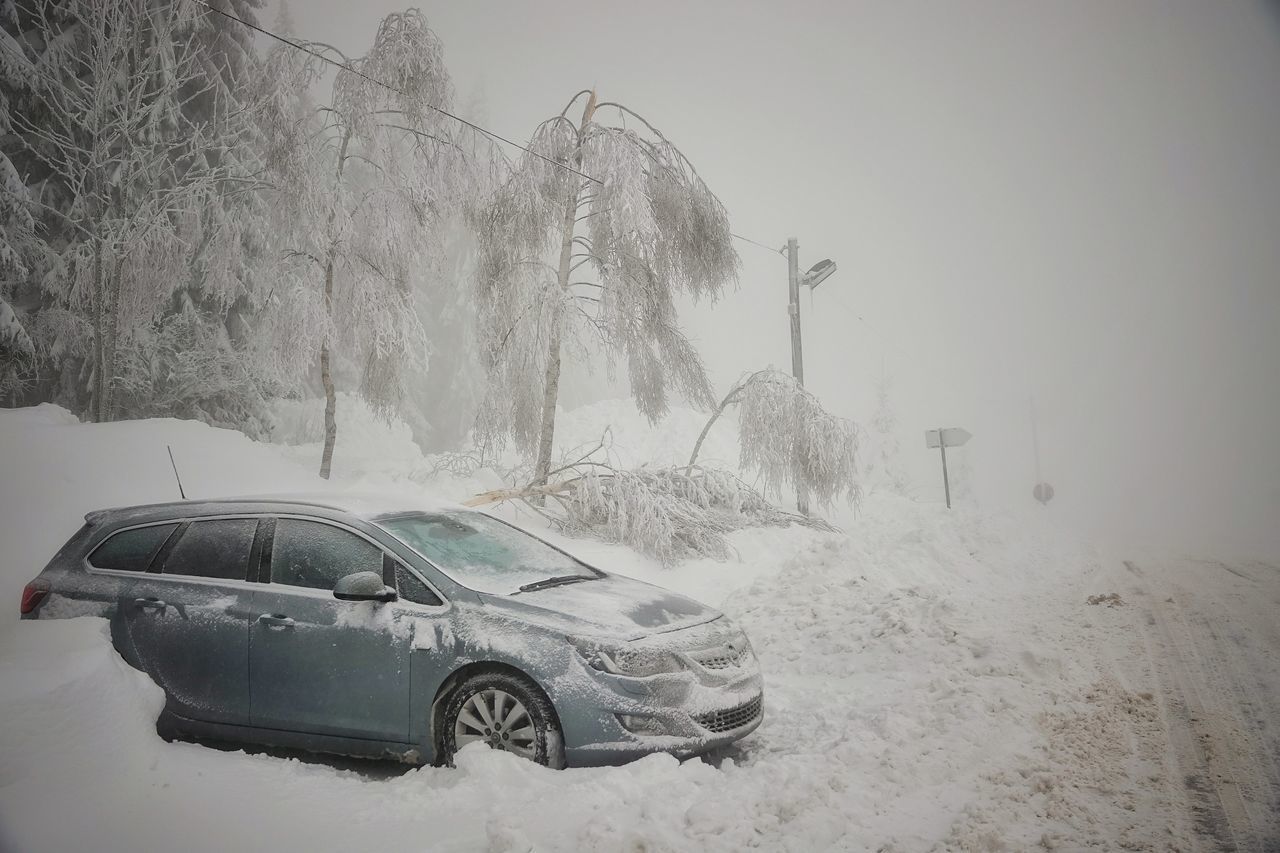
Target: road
x=1207 y=638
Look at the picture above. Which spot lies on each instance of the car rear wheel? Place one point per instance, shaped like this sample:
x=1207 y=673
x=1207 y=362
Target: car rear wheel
x=507 y=712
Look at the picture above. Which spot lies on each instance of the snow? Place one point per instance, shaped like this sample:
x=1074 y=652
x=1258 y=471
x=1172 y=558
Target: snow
x=933 y=680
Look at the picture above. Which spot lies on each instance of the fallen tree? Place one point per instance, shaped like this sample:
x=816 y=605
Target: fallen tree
x=670 y=513
x=677 y=512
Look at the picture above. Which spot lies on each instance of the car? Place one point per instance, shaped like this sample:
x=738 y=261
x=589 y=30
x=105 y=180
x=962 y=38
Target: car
x=371 y=626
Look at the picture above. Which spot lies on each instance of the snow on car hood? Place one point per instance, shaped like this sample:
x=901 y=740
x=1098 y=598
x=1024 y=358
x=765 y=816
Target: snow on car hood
x=613 y=606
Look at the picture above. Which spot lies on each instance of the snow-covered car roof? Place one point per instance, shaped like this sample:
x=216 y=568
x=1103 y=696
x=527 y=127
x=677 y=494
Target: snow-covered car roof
x=367 y=505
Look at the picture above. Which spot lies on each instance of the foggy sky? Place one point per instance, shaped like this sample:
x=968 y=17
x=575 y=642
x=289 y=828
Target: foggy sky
x=1075 y=201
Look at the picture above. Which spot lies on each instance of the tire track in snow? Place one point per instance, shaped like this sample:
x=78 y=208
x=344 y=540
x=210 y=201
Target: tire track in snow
x=1226 y=760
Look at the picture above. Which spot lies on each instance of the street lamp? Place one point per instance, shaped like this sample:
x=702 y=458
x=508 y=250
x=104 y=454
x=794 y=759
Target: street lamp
x=818 y=273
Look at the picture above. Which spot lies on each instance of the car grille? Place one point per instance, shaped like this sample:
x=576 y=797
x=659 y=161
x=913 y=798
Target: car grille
x=730 y=718
x=721 y=658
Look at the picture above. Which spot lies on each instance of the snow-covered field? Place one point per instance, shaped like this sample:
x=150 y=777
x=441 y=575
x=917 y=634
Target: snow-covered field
x=934 y=680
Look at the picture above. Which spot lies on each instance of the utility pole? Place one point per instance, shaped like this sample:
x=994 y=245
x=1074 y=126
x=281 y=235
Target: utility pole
x=793 y=308
x=797 y=356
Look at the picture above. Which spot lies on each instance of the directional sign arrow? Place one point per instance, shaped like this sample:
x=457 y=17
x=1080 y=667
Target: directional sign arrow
x=951 y=437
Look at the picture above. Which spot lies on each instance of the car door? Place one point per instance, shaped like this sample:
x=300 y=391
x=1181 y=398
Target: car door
x=188 y=623
x=318 y=664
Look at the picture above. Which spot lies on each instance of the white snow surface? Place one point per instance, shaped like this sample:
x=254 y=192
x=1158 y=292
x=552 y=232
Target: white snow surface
x=933 y=680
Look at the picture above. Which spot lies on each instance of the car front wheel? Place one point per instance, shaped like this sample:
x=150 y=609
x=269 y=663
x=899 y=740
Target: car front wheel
x=507 y=712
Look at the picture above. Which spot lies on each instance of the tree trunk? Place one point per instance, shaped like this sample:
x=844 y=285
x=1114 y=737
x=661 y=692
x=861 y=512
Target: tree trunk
x=330 y=412
x=326 y=379
x=551 y=386
x=112 y=321
x=98 y=390
x=326 y=376
x=715 y=416
x=734 y=396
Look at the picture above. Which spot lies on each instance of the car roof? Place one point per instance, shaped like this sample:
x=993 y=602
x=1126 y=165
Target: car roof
x=364 y=505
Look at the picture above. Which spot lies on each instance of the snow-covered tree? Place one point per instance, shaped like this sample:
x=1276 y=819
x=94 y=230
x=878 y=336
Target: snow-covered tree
x=591 y=237
x=360 y=191
x=129 y=169
x=886 y=467
x=17 y=352
x=17 y=243
x=788 y=439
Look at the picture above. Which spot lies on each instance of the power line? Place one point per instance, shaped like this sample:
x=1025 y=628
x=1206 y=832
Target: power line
x=754 y=243
x=884 y=340
x=345 y=67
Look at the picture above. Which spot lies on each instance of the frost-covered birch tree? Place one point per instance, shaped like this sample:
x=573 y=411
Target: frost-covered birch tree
x=591 y=238
x=788 y=439
x=362 y=180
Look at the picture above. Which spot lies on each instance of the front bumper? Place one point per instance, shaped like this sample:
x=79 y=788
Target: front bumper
x=629 y=747
x=711 y=703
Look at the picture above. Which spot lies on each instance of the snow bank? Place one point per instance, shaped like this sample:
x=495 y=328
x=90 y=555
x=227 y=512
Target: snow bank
x=932 y=680
x=372 y=451
x=54 y=469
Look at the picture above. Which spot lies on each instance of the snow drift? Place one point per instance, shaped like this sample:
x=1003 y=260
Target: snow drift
x=932 y=680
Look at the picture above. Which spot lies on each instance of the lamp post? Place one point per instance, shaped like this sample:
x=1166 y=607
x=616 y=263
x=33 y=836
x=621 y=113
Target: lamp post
x=816 y=274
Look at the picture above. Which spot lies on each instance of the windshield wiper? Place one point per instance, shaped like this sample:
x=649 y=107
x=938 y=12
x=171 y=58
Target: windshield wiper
x=556 y=581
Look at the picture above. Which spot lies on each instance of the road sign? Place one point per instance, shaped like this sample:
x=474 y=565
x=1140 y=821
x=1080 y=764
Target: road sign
x=1043 y=492
x=951 y=437
x=942 y=439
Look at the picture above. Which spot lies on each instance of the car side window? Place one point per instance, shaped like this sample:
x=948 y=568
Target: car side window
x=412 y=589
x=131 y=550
x=217 y=548
x=315 y=555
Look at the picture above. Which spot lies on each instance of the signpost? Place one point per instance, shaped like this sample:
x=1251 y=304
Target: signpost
x=942 y=439
x=1042 y=492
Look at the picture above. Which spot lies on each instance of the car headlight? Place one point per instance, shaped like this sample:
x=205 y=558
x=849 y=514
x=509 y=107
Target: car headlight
x=625 y=660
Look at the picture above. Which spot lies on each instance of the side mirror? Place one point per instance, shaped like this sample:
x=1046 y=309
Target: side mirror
x=363 y=586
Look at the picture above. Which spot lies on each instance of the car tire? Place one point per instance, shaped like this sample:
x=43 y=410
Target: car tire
x=480 y=708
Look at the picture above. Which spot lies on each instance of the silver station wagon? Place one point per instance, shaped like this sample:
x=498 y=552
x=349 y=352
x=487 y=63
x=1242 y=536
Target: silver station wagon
x=367 y=627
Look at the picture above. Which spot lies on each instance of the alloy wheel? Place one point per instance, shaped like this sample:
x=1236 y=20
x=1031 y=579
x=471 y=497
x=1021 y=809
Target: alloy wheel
x=500 y=720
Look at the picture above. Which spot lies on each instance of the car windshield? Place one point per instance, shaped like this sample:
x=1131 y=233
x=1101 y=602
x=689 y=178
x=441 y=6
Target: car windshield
x=482 y=553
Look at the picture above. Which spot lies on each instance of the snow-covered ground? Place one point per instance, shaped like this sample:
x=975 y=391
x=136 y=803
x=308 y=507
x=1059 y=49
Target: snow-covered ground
x=934 y=680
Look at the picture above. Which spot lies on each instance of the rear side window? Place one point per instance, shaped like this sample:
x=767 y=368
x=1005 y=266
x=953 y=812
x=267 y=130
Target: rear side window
x=315 y=555
x=218 y=548
x=131 y=550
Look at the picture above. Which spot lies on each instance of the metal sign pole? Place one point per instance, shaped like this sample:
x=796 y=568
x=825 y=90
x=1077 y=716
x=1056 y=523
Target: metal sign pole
x=941 y=438
x=946 y=484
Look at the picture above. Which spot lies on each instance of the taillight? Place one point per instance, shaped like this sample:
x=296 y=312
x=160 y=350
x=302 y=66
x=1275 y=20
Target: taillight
x=32 y=594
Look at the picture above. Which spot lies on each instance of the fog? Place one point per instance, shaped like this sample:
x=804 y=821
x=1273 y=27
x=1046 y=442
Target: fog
x=1071 y=203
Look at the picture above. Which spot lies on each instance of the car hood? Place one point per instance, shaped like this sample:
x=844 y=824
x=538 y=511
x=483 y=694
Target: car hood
x=612 y=606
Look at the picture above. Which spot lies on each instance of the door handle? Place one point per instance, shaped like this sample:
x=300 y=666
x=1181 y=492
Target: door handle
x=148 y=604
x=276 y=621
